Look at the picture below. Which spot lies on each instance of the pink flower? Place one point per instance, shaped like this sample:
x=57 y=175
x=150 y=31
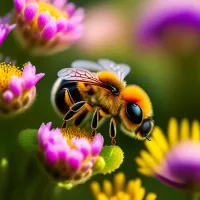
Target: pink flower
x=69 y=154
x=104 y=29
x=17 y=87
x=5 y=28
x=47 y=27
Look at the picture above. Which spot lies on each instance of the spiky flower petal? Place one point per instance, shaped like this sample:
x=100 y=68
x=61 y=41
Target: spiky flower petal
x=5 y=27
x=69 y=153
x=46 y=27
x=17 y=87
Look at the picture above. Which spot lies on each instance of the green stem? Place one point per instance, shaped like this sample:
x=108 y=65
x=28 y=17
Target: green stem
x=195 y=196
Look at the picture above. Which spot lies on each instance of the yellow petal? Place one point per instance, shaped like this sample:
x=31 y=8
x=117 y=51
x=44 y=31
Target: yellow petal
x=95 y=187
x=141 y=162
x=122 y=196
x=133 y=186
x=145 y=171
x=107 y=188
x=149 y=159
x=155 y=150
x=131 y=190
x=195 y=131
x=160 y=139
x=173 y=131
x=184 y=130
x=119 y=181
x=102 y=196
x=151 y=196
x=140 y=194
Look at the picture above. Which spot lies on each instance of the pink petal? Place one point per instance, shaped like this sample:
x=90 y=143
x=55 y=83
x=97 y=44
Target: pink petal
x=30 y=12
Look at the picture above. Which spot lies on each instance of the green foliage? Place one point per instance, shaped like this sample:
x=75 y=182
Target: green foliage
x=28 y=139
x=113 y=157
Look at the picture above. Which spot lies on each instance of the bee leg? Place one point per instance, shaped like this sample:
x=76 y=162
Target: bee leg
x=95 y=121
x=64 y=124
x=79 y=119
x=113 y=131
x=74 y=110
x=68 y=97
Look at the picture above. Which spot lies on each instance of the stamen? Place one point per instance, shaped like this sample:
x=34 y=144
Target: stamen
x=7 y=70
x=76 y=132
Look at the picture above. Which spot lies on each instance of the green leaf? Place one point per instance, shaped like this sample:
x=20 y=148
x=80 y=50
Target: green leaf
x=113 y=157
x=28 y=139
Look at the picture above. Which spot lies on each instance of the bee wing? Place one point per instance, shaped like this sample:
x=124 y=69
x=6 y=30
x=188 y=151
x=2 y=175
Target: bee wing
x=121 y=70
x=86 y=64
x=80 y=75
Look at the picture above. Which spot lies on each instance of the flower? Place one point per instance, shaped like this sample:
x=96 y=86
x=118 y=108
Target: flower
x=68 y=153
x=17 y=87
x=171 y=25
x=176 y=160
x=104 y=28
x=132 y=191
x=5 y=28
x=46 y=27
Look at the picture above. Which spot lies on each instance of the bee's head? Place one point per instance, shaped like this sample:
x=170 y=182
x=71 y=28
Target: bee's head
x=136 y=112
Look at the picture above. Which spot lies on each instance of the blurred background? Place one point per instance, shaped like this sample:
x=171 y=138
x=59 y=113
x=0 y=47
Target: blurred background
x=164 y=60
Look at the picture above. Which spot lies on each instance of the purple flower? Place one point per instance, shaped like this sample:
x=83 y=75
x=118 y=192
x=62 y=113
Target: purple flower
x=69 y=153
x=5 y=28
x=182 y=166
x=175 y=161
x=47 y=27
x=17 y=87
x=172 y=25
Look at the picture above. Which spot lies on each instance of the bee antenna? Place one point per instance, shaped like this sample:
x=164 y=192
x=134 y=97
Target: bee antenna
x=148 y=138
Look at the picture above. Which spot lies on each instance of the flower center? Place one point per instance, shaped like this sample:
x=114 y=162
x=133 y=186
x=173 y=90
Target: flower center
x=52 y=10
x=7 y=70
x=75 y=132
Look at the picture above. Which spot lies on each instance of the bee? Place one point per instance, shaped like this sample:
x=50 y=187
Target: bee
x=100 y=88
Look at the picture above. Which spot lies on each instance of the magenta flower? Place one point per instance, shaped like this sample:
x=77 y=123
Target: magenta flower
x=5 y=28
x=69 y=153
x=171 y=25
x=46 y=27
x=17 y=87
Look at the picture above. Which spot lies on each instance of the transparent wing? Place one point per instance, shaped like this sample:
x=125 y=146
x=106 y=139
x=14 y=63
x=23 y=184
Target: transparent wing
x=121 y=70
x=80 y=75
x=86 y=64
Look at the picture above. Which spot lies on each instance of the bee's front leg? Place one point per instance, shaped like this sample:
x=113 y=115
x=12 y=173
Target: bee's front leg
x=75 y=109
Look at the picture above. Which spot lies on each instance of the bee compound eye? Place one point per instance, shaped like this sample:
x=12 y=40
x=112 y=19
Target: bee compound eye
x=146 y=128
x=134 y=113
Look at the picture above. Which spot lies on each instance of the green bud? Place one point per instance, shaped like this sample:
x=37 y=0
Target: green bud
x=98 y=165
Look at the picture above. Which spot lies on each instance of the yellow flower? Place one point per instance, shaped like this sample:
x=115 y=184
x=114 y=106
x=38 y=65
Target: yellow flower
x=119 y=191
x=175 y=159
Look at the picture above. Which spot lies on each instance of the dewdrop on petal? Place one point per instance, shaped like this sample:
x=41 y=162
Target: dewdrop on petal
x=47 y=27
x=17 y=87
x=68 y=154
